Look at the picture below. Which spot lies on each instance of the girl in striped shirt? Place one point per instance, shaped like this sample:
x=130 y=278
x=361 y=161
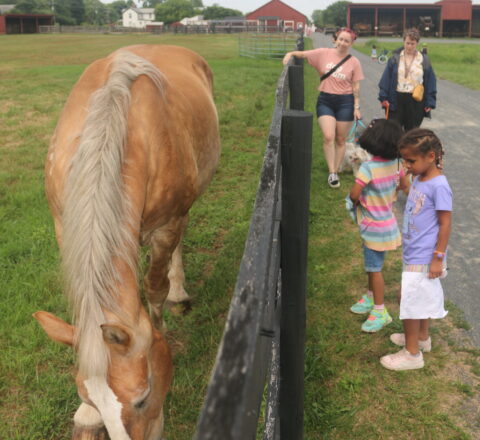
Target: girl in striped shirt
x=373 y=195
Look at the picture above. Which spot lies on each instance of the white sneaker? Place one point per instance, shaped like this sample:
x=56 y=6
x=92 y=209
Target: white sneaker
x=399 y=339
x=333 y=180
x=402 y=360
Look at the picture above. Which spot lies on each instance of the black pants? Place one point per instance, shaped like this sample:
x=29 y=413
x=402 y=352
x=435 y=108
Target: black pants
x=409 y=113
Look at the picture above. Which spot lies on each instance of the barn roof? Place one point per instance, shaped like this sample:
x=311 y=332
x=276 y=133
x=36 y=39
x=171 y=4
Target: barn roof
x=22 y=15
x=279 y=1
x=396 y=2
x=404 y=2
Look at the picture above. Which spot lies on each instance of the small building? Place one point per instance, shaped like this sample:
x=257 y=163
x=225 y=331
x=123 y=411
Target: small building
x=276 y=15
x=155 y=27
x=24 y=23
x=138 y=17
x=194 y=21
x=441 y=18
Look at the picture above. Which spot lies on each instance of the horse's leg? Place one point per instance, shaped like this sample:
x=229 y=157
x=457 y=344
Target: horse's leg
x=177 y=294
x=88 y=424
x=156 y=283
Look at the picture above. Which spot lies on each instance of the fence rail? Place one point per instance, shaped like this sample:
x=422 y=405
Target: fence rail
x=271 y=45
x=263 y=343
x=213 y=28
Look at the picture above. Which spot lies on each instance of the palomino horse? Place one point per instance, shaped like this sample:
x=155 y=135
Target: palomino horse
x=136 y=144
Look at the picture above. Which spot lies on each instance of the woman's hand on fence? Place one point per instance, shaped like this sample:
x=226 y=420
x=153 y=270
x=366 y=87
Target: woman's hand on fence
x=287 y=57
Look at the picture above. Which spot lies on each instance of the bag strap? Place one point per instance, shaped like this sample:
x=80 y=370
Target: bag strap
x=326 y=75
x=351 y=133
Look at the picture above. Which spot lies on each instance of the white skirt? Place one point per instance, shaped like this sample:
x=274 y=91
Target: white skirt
x=422 y=297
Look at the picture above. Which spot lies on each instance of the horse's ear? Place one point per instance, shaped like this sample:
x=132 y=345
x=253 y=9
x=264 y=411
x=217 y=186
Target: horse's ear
x=56 y=329
x=117 y=337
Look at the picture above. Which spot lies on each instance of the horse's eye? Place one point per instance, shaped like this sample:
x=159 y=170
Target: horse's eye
x=142 y=400
x=140 y=404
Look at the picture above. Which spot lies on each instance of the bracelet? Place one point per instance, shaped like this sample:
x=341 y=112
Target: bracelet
x=356 y=106
x=439 y=254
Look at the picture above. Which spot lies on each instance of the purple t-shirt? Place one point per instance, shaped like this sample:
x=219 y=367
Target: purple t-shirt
x=420 y=221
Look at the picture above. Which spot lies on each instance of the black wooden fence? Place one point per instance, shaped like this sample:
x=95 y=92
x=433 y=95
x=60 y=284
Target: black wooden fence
x=258 y=373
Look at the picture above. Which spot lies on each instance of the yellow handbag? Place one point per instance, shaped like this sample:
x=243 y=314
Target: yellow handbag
x=417 y=93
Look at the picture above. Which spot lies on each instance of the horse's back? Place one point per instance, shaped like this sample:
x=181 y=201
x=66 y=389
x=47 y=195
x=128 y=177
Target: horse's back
x=183 y=138
x=172 y=144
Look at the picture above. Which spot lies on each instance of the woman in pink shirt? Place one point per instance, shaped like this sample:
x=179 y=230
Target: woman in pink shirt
x=339 y=101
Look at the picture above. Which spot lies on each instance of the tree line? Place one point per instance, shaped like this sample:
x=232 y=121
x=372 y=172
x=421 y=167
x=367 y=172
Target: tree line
x=79 y=12
x=334 y=15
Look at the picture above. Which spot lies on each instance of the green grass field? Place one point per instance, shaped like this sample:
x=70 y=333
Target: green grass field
x=348 y=394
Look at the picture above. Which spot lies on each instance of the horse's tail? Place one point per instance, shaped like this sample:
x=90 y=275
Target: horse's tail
x=96 y=219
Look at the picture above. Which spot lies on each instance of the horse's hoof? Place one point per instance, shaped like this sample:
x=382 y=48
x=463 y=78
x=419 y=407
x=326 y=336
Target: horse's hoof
x=178 y=308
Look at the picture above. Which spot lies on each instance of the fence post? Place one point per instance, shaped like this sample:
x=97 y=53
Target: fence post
x=296 y=156
x=296 y=86
x=295 y=80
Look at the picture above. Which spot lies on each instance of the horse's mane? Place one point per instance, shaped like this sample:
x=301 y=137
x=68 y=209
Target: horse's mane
x=95 y=222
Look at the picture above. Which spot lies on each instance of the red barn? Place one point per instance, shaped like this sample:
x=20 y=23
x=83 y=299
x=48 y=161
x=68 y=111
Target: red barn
x=24 y=23
x=276 y=15
x=442 y=18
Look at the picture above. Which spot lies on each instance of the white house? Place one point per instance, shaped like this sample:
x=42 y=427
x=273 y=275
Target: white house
x=138 y=17
x=194 y=21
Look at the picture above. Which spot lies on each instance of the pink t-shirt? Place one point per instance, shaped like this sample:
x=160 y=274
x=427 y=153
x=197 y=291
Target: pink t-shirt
x=341 y=81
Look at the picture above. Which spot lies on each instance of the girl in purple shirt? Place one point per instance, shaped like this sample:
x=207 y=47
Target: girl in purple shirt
x=425 y=234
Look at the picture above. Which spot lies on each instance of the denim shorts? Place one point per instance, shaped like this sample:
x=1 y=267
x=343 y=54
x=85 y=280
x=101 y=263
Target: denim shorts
x=373 y=259
x=338 y=106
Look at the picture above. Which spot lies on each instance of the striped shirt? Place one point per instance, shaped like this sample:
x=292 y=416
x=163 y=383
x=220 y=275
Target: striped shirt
x=376 y=220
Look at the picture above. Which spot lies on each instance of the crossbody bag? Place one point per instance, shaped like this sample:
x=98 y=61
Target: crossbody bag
x=326 y=75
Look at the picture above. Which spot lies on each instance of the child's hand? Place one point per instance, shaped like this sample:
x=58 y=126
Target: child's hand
x=436 y=268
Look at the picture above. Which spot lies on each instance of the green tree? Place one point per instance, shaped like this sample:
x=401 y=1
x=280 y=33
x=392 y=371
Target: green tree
x=63 y=12
x=216 y=12
x=336 y=13
x=67 y=12
x=115 y=10
x=77 y=9
x=317 y=17
x=197 y=3
x=171 y=11
x=96 y=12
x=25 y=7
x=152 y=3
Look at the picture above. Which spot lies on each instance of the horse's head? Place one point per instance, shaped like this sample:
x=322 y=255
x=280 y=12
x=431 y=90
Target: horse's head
x=129 y=400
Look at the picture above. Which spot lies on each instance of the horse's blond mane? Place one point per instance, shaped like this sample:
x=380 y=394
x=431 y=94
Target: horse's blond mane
x=96 y=213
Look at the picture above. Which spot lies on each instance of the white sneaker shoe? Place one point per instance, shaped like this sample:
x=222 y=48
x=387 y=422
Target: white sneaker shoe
x=402 y=360
x=399 y=339
x=333 y=180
